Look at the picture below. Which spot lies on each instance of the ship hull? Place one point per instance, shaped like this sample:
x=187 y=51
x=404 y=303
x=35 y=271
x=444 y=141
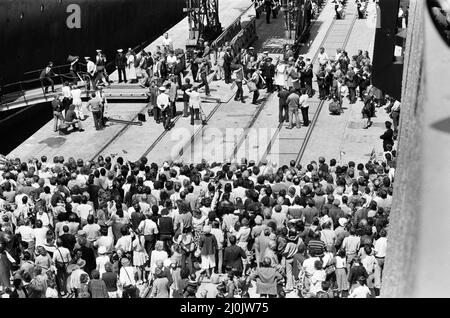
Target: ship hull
x=33 y=32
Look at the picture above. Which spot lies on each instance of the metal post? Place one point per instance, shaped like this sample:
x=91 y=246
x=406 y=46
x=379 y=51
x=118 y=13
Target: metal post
x=23 y=93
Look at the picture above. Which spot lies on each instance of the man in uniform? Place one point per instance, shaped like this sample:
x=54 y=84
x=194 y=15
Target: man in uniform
x=120 y=62
x=268 y=72
x=162 y=103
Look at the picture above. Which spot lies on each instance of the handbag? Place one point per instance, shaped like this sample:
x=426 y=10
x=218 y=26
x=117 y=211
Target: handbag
x=251 y=86
x=61 y=266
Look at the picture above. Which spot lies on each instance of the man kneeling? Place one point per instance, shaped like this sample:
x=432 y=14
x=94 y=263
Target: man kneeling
x=71 y=119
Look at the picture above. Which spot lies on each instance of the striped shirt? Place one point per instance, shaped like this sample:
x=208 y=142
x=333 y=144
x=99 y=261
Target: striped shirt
x=316 y=248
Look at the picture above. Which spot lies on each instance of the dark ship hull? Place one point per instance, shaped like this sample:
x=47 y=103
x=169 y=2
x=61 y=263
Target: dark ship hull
x=33 y=32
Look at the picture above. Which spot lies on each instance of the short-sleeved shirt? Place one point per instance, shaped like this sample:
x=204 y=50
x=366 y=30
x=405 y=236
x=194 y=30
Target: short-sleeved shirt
x=293 y=101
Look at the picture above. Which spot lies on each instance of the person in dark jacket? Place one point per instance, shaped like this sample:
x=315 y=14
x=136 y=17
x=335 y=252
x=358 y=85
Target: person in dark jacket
x=268 y=73
x=233 y=256
x=351 y=82
x=121 y=62
x=321 y=82
x=283 y=114
x=227 y=58
x=388 y=136
x=46 y=77
x=208 y=247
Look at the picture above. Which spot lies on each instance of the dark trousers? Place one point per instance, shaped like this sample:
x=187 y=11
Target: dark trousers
x=47 y=81
x=227 y=70
x=268 y=12
x=396 y=120
x=205 y=82
x=283 y=114
x=66 y=102
x=327 y=90
x=195 y=113
x=61 y=279
x=149 y=244
x=186 y=260
x=352 y=94
x=269 y=84
x=239 y=92
x=74 y=77
x=121 y=71
x=185 y=108
x=173 y=109
x=255 y=96
x=322 y=91
x=156 y=113
x=309 y=90
x=89 y=79
x=167 y=240
x=194 y=73
x=97 y=119
x=305 y=115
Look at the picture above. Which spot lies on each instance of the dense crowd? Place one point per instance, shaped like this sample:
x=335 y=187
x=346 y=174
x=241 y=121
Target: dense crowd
x=113 y=228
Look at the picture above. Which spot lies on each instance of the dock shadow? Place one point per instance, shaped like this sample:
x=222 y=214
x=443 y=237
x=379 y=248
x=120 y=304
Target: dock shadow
x=53 y=142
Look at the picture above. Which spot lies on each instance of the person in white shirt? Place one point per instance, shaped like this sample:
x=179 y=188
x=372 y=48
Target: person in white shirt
x=76 y=100
x=167 y=43
x=84 y=210
x=362 y=291
x=128 y=273
x=195 y=103
x=380 y=254
x=162 y=103
x=101 y=260
x=322 y=57
x=67 y=96
x=304 y=107
x=41 y=215
x=91 y=68
x=27 y=234
x=40 y=234
x=125 y=242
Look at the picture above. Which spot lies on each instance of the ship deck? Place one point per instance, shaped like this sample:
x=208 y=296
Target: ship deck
x=235 y=130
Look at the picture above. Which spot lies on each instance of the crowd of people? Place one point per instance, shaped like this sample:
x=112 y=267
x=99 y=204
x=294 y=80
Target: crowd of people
x=114 y=228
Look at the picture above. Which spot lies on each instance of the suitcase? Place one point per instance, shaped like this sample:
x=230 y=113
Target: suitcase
x=334 y=108
x=141 y=117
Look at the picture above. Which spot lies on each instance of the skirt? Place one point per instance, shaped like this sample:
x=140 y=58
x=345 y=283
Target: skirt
x=341 y=279
x=208 y=261
x=139 y=258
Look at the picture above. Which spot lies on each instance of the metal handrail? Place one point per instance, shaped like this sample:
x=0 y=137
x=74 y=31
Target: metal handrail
x=21 y=92
x=40 y=70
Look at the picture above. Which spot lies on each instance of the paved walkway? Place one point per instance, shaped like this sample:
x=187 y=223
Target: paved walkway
x=342 y=137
